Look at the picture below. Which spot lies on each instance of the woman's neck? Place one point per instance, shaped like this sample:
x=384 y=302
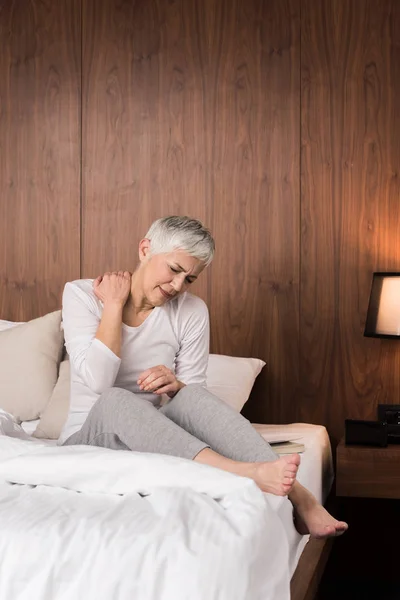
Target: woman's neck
x=137 y=302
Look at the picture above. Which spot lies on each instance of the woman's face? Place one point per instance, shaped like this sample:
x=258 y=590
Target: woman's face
x=165 y=276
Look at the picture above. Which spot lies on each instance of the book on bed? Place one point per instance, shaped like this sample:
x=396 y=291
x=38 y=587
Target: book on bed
x=287 y=447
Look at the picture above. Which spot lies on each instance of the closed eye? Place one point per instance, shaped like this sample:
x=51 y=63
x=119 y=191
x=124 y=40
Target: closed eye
x=188 y=279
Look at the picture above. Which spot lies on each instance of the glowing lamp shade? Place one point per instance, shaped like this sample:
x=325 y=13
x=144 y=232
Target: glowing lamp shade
x=383 y=317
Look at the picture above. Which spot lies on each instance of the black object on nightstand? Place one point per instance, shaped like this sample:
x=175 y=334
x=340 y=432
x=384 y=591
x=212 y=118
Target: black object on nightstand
x=390 y=414
x=370 y=433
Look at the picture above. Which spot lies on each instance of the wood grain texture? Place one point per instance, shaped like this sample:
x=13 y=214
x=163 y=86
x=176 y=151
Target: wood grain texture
x=368 y=472
x=193 y=108
x=253 y=118
x=40 y=154
x=350 y=165
x=144 y=138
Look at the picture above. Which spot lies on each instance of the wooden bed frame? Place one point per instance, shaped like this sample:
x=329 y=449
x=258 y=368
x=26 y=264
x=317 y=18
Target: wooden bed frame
x=307 y=576
x=310 y=568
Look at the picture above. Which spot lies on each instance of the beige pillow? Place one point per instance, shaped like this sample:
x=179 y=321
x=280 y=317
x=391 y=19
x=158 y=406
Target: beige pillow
x=30 y=355
x=56 y=412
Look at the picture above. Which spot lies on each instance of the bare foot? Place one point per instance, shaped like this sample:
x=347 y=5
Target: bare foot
x=277 y=477
x=312 y=518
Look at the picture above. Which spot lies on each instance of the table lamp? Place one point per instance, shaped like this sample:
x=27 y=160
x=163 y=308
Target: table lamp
x=383 y=317
x=383 y=321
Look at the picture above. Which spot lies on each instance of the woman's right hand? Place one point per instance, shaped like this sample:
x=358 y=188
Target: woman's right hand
x=113 y=288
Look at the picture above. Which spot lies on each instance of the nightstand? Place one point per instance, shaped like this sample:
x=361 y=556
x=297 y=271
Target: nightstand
x=363 y=563
x=368 y=471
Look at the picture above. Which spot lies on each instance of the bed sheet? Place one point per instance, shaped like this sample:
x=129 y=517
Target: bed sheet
x=30 y=426
x=115 y=519
x=315 y=473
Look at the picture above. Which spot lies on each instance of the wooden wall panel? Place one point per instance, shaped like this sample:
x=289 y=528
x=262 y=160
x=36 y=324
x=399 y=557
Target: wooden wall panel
x=253 y=115
x=350 y=204
x=40 y=154
x=144 y=135
x=193 y=108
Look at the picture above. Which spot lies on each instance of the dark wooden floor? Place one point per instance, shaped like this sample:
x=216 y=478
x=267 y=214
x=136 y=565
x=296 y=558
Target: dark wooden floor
x=365 y=563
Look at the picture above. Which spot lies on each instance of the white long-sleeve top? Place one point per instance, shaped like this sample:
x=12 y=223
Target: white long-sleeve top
x=175 y=335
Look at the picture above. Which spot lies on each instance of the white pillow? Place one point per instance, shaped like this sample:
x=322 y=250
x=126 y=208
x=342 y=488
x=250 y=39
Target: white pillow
x=231 y=378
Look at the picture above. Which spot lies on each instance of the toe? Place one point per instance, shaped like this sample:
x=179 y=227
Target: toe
x=293 y=459
x=285 y=488
x=339 y=533
x=291 y=469
x=289 y=480
x=329 y=531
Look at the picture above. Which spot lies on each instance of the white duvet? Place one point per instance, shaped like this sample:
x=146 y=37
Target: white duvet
x=81 y=522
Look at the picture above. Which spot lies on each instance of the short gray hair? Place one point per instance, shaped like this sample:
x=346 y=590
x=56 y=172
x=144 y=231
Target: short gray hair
x=181 y=233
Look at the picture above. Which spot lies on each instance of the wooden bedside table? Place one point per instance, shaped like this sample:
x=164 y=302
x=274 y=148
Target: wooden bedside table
x=368 y=471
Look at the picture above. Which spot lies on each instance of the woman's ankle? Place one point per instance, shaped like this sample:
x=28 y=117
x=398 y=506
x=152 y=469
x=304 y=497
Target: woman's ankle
x=300 y=496
x=213 y=459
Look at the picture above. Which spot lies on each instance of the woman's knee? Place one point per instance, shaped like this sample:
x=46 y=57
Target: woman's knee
x=194 y=400
x=189 y=399
x=118 y=398
x=195 y=393
x=112 y=395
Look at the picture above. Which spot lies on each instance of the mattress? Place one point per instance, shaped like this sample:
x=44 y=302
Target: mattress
x=315 y=473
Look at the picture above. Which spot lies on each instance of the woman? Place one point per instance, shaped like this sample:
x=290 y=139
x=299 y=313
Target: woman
x=132 y=338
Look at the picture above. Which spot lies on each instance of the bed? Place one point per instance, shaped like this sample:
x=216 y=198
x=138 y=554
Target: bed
x=86 y=522
x=145 y=526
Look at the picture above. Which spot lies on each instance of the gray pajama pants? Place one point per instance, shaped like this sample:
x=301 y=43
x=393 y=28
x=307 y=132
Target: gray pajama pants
x=193 y=420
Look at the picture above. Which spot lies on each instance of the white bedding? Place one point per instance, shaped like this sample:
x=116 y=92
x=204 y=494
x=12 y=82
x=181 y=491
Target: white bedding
x=30 y=426
x=86 y=522
x=121 y=525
